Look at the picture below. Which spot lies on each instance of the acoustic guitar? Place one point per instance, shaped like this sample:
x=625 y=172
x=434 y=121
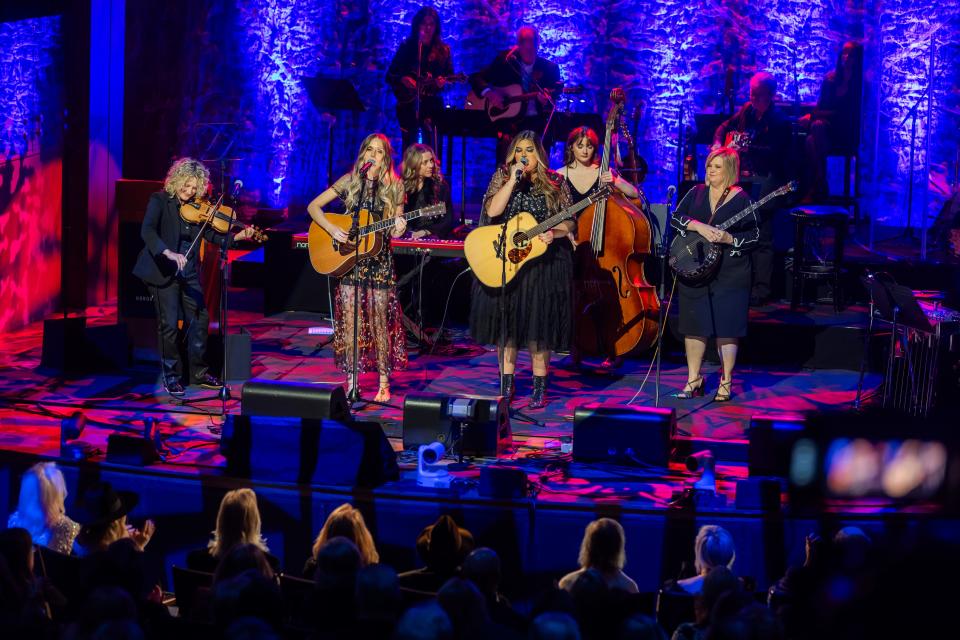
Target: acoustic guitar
x=332 y=258
x=514 y=102
x=695 y=259
x=429 y=87
x=485 y=247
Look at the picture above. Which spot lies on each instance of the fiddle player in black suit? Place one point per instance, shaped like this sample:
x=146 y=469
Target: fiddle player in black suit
x=760 y=133
x=172 y=276
x=521 y=65
x=421 y=65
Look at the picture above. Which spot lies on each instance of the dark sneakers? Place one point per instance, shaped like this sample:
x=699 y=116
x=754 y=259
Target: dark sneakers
x=207 y=381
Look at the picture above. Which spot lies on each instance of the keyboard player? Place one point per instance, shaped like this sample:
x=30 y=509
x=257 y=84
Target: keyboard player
x=424 y=186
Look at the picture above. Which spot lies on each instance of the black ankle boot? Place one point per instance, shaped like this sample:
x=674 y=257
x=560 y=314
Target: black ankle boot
x=506 y=386
x=538 y=399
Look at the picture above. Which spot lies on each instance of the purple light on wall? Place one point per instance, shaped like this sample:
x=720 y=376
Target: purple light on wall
x=28 y=53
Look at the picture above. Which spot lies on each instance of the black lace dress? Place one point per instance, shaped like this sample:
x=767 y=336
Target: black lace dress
x=537 y=301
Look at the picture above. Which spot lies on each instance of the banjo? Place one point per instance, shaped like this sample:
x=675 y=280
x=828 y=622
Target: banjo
x=695 y=259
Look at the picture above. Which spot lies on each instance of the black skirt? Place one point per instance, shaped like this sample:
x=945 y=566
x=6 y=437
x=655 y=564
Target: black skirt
x=537 y=304
x=720 y=308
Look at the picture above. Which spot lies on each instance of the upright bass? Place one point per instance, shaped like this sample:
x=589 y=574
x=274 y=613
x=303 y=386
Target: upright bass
x=616 y=311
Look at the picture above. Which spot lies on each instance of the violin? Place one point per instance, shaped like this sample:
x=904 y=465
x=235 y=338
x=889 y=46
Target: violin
x=220 y=218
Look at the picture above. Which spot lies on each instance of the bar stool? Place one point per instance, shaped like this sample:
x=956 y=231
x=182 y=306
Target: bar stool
x=807 y=264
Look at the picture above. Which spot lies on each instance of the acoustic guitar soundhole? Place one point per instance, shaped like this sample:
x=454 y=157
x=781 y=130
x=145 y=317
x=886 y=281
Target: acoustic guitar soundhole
x=521 y=248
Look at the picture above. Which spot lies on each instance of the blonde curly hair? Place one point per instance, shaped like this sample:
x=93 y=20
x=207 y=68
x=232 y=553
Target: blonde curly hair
x=181 y=171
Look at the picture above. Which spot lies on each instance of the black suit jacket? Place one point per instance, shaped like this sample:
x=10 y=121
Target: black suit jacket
x=502 y=72
x=161 y=230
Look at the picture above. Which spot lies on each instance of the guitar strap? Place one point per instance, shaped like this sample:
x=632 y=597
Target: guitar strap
x=723 y=196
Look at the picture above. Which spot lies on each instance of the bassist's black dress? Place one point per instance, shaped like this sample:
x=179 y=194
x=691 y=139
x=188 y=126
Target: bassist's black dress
x=719 y=308
x=538 y=299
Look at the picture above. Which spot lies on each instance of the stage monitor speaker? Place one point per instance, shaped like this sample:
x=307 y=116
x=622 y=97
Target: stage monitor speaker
x=771 y=438
x=759 y=494
x=624 y=434
x=503 y=482
x=307 y=451
x=294 y=399
x=292 y=283
x=239 y=356
x=427 y=419
x=131 y=198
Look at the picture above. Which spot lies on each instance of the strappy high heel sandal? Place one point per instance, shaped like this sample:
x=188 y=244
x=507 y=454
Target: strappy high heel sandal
x=383 y=392
x=723 y=391
x=691 y=391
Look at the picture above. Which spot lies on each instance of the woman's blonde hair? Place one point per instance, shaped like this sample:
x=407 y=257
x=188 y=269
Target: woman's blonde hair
x=731 y=164
x=544 y=179
x=347 y=522
x=42 y=495
x=410 y=169
x=603 y=546
x=181 y=171
x=238 y=522
x=713 y=548
x=389 y=186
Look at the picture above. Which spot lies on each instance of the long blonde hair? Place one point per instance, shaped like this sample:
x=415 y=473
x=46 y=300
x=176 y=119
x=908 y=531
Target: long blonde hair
x=42 y=495
x=389 y=186
x=347 y=522
x=603 y=546
x=238 y=522
x=181 y=171
x=410 y=169
x=543 y=178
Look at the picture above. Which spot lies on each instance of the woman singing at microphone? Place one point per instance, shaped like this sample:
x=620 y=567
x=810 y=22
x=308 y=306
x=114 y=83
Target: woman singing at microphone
x=537 y=302
x=371 y=185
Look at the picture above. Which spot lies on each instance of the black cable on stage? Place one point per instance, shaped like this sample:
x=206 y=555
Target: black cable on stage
x=446 y=308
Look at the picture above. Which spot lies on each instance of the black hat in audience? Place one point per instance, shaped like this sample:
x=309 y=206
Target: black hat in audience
x=101 y=504
x=444 y=544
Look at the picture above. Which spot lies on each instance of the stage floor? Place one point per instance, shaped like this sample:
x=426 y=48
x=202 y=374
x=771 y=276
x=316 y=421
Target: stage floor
x=287 y=347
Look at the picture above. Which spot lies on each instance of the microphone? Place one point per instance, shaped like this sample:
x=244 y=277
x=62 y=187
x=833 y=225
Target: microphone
x=523 y=161
x=671 y=192
x=237 y=185
x=366 y=167
x=512 y=52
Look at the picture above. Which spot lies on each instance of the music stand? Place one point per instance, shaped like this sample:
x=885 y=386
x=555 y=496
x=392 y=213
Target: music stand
x=329 y=95
x=897 y=304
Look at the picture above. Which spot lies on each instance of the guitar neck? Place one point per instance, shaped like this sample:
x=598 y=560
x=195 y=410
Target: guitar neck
x=569 y=212
x=753 y=207
x=388 y=221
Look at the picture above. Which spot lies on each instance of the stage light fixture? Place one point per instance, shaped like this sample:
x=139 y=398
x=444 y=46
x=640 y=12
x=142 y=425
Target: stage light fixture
x=703 y=492
x=706 y=464
x=430 y=473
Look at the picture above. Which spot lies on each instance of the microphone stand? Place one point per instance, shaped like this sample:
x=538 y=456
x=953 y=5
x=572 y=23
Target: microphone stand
x=224 y=393
x=354 y=396
x=912 y=117
x=664 y=252
x=502 y=346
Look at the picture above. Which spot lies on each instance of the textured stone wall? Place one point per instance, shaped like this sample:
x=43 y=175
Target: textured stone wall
x=664 y=53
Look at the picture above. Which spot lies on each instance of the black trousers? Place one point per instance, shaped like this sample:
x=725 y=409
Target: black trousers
x=762 y=255
x=410 y=127
x=183 y=294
